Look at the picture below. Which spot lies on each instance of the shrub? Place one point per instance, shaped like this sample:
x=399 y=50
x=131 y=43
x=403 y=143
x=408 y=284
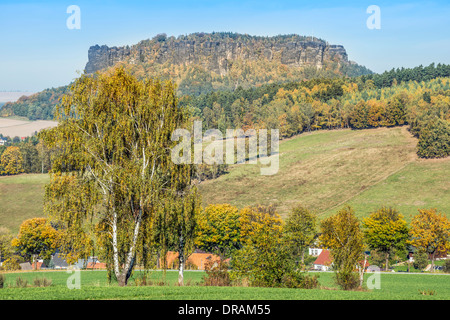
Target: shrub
x=427 y=292
x=11 y=264
x=190 y=266
x=446 y=266
x=21 y=283
x=42 y=282
x=297 y=279
x=216 y=273
x=420 y=260
x=347 y=280
x=142 y=280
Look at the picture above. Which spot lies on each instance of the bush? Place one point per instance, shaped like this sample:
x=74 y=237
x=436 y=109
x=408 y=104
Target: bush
x=216 y=274
x=446 y=266
x=347 y=280
x=190 y=266
x=42 y=282
x=297 y=279
x=11 y=264
x=142 y=280
x=21 y=283
x=420 y=260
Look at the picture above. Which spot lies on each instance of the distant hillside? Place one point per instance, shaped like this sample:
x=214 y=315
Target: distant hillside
x=205 y=62
x=12 y=96
x=38 y=106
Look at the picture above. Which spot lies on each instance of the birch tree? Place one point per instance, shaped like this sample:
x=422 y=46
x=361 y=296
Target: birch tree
x=114 y=135
x=342 y=234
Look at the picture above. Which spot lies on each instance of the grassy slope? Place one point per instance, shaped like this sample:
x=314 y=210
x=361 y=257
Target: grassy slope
x=94 y=286
x=326 y=169
x=323 y=170
x=21 y=198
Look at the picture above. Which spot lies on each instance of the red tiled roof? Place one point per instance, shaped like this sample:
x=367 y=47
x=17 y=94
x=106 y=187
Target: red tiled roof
x=198 y=259
x=97 y=265
x=324 y=258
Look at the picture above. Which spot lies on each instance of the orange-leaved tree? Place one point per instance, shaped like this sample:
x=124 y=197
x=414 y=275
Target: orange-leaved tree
x=36 y=239
x=430 y=233
x=11 y=161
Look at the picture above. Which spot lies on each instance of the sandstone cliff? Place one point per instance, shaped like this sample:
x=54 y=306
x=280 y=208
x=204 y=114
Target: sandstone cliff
x=216 y=52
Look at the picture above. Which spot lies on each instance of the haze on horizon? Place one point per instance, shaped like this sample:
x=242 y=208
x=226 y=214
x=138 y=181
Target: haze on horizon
x=39 y=51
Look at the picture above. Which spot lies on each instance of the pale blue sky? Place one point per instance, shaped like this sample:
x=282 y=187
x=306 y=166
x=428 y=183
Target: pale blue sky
x=38 y=51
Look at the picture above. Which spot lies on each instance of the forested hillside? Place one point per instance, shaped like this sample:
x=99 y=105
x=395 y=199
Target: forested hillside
x=39 y=106
x=421 y=100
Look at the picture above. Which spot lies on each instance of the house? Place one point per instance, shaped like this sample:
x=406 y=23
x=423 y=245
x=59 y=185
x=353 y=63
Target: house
x=56 y=262
x=314 y=252
x=323 y=261
x=2 y=142
x=372 y=268
x=90 y=263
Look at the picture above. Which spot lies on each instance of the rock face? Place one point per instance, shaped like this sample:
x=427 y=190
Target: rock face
x=101 y=57
x=216 y=52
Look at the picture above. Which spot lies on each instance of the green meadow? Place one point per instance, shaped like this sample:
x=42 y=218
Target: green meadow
x=94 y=285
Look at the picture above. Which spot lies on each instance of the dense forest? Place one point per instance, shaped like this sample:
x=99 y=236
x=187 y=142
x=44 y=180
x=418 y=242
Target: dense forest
x=421 y=99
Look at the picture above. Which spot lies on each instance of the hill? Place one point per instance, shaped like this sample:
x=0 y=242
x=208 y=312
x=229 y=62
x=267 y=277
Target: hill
x=326 y=169
x=322 y=170
x=205 y=62
x=200 y=63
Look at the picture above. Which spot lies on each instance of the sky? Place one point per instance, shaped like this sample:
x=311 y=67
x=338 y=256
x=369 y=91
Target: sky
x=39 y=51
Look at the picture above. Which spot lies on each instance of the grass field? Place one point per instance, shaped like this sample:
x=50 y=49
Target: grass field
x=326 y=169
x=21 y=198
x=94 y=286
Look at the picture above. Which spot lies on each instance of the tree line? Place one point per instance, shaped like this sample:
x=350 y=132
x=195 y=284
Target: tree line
x=258 y=248
x=24 y=156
